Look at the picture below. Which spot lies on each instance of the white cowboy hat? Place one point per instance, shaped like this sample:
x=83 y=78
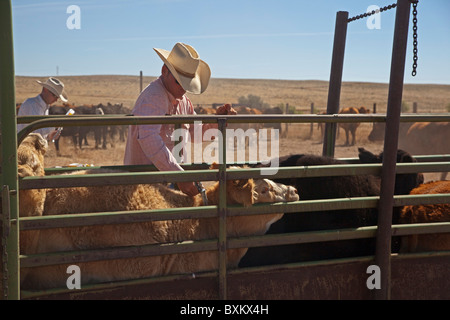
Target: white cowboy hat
x=55 y=86
x=185 y=65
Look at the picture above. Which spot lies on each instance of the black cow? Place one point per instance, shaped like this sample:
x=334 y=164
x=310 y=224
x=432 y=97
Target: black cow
x=84 y=130
x=67 y=131
x=328 y=188
x=107 y=133
x=78 y=133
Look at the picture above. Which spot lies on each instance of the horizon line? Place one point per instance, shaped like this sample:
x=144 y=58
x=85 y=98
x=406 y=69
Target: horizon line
x=225 y=78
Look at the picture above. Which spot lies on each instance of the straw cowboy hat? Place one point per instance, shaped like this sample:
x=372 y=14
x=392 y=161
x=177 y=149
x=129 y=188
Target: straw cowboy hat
x=185 y=65
x=55 y=86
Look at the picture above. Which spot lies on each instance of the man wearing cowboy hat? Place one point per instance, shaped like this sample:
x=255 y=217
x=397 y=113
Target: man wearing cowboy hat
x=52 y=90
x=183 y=71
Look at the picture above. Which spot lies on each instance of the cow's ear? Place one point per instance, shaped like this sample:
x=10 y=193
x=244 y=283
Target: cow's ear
x=407 y=158
x=366 y=156
x=237 y=183
x=241 y=183
x=40 y=143
x=214 y=165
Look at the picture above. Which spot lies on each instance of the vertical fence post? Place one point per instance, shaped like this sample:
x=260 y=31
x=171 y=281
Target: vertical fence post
x=140 y=81
x=415 y=107
x=334 y=89
x=222 y=211
x=385 y=207
x=8 y=158
x=286 y=124
x=311 y=129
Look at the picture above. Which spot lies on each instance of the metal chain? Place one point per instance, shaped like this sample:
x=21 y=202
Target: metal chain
x=415 y=42
x=367 y=14
x=415 y=51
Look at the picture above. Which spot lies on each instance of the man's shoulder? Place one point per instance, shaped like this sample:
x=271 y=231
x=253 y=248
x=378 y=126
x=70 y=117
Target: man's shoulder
x=155 y=88
x=30 y=106
x=153 y=97
x=31 y=100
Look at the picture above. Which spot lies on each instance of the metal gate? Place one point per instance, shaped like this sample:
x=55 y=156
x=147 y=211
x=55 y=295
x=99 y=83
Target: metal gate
x=327 y=279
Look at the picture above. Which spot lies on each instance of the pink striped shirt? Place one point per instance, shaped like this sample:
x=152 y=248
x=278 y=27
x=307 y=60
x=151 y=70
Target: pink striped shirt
x=152 y=144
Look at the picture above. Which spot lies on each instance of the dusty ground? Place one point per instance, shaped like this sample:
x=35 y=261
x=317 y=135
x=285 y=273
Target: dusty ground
x=298 y=140
x=299 y=94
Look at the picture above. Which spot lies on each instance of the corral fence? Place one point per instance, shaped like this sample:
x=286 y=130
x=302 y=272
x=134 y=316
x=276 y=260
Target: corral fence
x=344 y=278
x=222 y=211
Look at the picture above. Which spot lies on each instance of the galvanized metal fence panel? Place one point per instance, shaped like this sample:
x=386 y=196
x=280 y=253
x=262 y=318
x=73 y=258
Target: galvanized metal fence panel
x=222 y=210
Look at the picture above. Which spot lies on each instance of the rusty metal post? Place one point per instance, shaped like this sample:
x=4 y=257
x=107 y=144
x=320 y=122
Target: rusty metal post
x=385 y=207
x=286 y=125
x=222 y=244
x=334 y=89
x=311 y=128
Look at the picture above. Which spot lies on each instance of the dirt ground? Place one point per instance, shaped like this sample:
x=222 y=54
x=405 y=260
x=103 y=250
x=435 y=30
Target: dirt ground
x=297 y=141
x=299 y=95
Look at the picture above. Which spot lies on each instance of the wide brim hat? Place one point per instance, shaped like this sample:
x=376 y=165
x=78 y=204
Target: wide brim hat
x=56 y=87
x=185 y=64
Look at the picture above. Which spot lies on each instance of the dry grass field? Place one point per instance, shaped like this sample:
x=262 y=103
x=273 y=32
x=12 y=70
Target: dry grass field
x=299 y=94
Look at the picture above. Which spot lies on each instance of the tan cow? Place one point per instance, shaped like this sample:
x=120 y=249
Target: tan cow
x=427 y=138
x=143 y=197
x=350 y=128
x=30 y=162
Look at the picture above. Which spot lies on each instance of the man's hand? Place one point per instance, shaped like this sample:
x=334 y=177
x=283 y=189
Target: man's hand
x=226 y=109
x=53 y=135
x=188 y=188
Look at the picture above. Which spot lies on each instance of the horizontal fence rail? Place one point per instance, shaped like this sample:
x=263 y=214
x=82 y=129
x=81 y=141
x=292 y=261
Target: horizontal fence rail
x=124 y=252
x=93 y=179
x=426 y=164
x=99 y=218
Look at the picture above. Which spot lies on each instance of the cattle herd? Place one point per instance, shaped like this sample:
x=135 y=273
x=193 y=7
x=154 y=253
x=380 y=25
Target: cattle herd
x=103 y=135
x=108 y=134
x=245 y=192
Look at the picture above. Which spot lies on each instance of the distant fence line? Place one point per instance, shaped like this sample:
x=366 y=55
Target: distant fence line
x=312 y=109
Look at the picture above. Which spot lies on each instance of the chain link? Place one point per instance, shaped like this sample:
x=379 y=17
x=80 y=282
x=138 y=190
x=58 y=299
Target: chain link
x=367 y=14
x=415 y=42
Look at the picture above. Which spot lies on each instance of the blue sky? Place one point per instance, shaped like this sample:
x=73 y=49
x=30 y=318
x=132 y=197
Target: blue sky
x=250 y=39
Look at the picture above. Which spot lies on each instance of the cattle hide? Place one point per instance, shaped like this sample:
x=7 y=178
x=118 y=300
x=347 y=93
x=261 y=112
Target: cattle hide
x=77 y=200
x=328 y=188
x=427 y=214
